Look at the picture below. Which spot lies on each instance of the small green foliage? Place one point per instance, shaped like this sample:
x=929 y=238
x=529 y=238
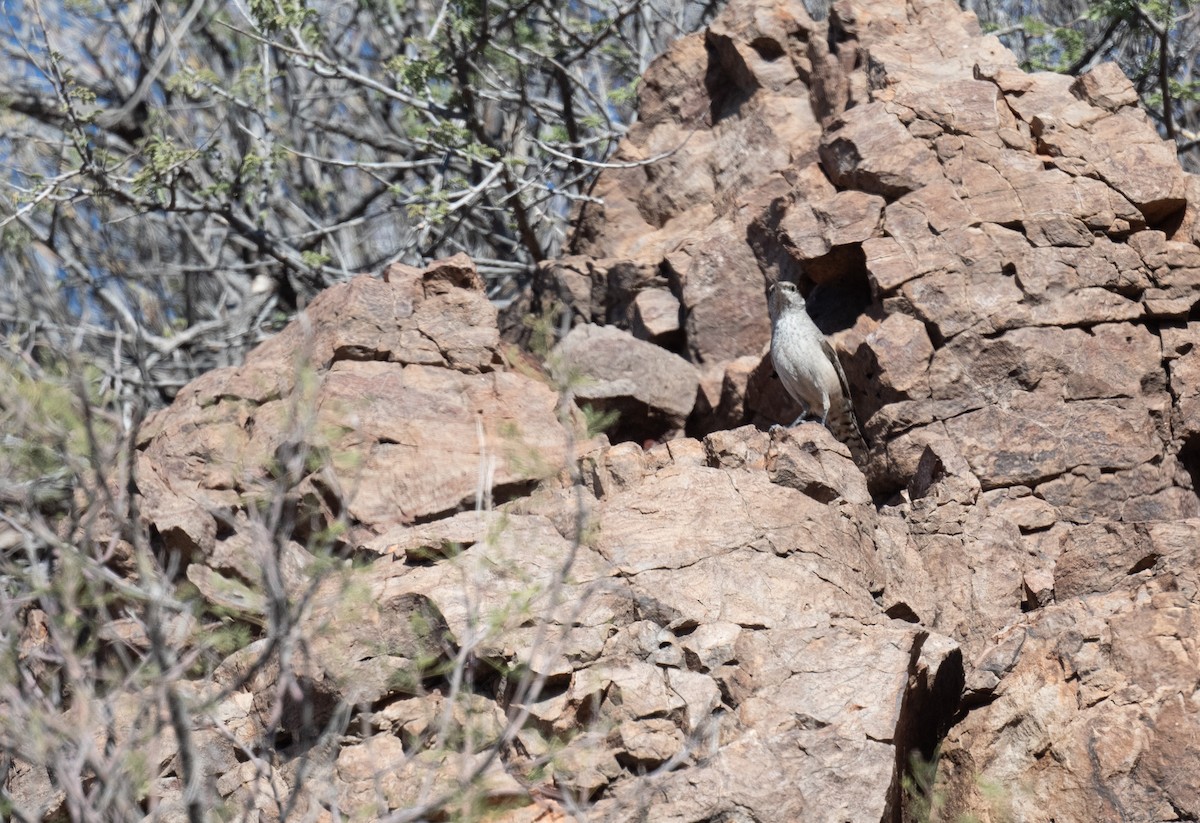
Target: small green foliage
x=626 y=94
x=415 y=74
x=275 y=15
x=192 y=83
x=1052 y=49
x=543 y=329
x=45 y=438
x=923 y=802
x=315 y=259
x=14 y=237
x=432 y=206
x=252 y=162
x=81 y=94
x=598 y=420
x=1185 y=91
x=161 y=159
x=1034 y=27
x=481 y=152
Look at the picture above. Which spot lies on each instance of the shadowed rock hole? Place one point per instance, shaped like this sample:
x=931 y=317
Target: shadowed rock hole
x=426 y=555
x=837 y=302
x=225 y=526
x=767 y=48
x=935 y=335
x=809 y=723
x=307 y=712
x=501 y=493
x=724 y=91
x=1169 y=223
x=359 y=353
x=636 y=421
x=838 y=33
x=902 y=611
x=1189 y=458
x=1147 y=562
x=927 y=713
x=727 y=696
x=508 y=492
x=589 y=708
x=312 y=513
x=685 y=628
x=818 y=491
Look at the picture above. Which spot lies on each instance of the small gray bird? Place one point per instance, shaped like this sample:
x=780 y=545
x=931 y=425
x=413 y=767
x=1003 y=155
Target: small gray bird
x=809 y=368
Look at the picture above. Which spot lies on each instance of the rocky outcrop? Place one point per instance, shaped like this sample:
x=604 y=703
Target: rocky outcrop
x=501 y=612
x=1007 y=263
x=380 y=401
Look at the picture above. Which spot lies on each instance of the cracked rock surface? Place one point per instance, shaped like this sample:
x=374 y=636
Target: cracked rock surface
x=749 y=626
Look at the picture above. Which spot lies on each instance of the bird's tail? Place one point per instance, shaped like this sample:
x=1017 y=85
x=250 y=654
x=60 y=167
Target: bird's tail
x=844 y=426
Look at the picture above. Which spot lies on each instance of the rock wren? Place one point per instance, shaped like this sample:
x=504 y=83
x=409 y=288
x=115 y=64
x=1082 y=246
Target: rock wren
x=809 y=368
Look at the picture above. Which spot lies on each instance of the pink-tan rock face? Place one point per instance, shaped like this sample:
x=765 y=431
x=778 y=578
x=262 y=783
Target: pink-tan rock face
x=389 y=394
x=1024 y=237
x=744 y=626
x=1023 y=366
x=976 y=200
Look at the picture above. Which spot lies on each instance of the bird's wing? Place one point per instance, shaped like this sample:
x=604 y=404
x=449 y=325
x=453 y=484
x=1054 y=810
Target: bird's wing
x=837 y=366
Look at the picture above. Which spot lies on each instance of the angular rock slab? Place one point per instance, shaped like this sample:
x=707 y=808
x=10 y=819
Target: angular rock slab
x=1096 y=699
x=820 y=710
x=650 y=388
x=409 y=442
x=388 y=396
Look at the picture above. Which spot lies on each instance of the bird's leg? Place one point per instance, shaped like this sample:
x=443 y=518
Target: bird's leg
x=824 y=409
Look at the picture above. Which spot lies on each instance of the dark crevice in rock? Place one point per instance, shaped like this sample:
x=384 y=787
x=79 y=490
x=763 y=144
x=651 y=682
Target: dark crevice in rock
x=359 y=353
x=636 y=421
x=935 y=335
x=433 y=517
x=309 y=713
x=684 y=627
x=844 y=292
x=1189 y=458
x=307 y=516
x=927 y=712
x=726 y=94
x=1147 y=562
x=226 y=526
x=507 y=492
x=425 y=556
x=255 y=402
x=837 y=304
x=501 y=493
x=902 y=611
x=768 y=48
x=1170 y=220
